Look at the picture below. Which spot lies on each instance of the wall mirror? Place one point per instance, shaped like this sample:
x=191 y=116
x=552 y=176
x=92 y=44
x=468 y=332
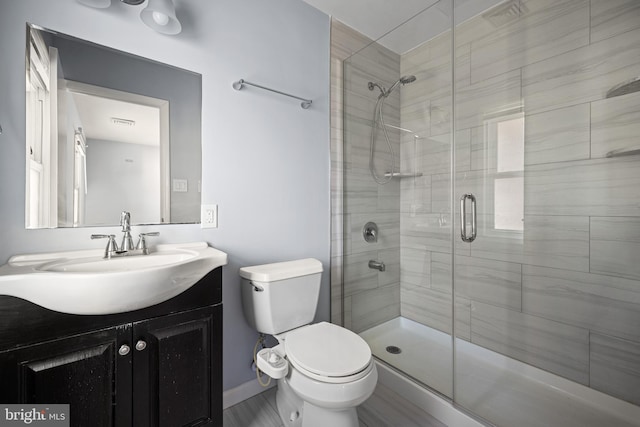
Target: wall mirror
x=108 y=131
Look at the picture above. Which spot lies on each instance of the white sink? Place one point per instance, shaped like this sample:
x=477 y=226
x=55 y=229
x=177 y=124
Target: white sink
x=83 y=282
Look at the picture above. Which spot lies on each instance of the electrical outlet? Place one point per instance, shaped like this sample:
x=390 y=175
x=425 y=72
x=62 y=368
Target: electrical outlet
x=209 y=216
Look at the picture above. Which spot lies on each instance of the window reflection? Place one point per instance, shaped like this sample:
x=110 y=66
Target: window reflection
x=508 y=183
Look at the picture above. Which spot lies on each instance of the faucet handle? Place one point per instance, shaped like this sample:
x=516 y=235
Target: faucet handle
x=142 y=243
x=112 y=246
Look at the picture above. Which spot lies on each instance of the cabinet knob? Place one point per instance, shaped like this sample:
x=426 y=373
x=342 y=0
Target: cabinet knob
x=124 y=350
x=141 y=345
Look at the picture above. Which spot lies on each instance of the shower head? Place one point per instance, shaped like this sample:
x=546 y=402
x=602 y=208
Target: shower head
x=407 y=79
x=404 y=80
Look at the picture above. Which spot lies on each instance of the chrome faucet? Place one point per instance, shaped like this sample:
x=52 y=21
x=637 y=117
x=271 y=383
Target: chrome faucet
x=377 y=265
x=126 y=248
x=127 y=241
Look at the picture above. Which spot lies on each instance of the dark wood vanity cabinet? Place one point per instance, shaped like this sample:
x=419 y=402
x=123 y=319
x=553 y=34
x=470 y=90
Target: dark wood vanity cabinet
x=160 y=366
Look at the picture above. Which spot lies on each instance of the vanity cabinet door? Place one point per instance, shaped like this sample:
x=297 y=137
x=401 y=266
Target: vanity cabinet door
x=177 y=374
x=86 y=371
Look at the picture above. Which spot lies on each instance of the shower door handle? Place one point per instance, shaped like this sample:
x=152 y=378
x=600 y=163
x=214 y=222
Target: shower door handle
x=463 y=218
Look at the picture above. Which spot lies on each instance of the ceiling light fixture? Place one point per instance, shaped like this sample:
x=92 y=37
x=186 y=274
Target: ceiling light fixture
x=159 y=15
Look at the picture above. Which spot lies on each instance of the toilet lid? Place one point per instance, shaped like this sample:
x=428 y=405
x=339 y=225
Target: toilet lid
x=327 y=350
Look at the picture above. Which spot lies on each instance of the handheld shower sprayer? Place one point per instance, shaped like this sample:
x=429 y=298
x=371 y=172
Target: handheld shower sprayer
x=378 y=121
x=386 y=92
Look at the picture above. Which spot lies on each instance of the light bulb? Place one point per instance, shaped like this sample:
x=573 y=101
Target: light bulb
x=160 y=18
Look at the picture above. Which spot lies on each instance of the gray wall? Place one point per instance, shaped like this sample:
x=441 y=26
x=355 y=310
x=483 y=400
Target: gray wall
x=265 y=160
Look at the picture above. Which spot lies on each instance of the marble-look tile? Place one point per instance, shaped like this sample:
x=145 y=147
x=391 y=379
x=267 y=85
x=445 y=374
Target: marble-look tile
x=483 y=149
x=375 y=306
x=581 y=75
x=435 y=51
x=430 y=232
x=552 y=241
x=462 y=317
x=605 y=304
x=487 y=98
x=391 y=260
x=501 y=245
x=534 y=36
x=615 y=367
x=557 y=135
x=473 y=29
x=348 y=312
x=441 y=271
x=415 y=195
x=615 y=124
x=494 y=282
x=345 y=41
x=358 y=276
x=415 y=117
x=612 y=17
x=377 y=57
x=434 y=154
x=440 y=114
x=556 y=241
x=415 y=267
x=426 y=306
x=598 y=187
x=615 y=246
x=553 y=346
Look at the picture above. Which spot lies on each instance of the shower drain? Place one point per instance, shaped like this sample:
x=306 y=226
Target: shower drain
x=393 y=349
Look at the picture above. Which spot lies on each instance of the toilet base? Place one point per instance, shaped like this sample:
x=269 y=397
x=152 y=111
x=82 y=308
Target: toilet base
x=295 y=412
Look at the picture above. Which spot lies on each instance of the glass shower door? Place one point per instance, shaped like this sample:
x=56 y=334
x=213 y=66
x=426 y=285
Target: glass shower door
x=397 y=174
x=546 y=277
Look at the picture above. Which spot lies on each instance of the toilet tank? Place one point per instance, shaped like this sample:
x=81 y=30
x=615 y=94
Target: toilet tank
x=281 y=296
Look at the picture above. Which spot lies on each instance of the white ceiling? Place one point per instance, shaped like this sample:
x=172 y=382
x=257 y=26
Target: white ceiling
x=424 y=18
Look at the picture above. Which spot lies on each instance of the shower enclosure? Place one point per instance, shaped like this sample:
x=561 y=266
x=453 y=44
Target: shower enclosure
x=500 y=162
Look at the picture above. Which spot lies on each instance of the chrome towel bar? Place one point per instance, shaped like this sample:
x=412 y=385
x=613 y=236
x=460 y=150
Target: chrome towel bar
x=306 y=103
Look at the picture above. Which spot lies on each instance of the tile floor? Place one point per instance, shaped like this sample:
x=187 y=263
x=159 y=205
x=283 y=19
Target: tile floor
x=384 y=408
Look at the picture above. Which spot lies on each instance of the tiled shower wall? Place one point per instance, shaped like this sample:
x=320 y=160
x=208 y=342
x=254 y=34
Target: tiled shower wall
x=564 y=294
x=370 y=297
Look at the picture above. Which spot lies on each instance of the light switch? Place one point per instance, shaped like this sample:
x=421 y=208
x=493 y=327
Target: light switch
x=180 y=185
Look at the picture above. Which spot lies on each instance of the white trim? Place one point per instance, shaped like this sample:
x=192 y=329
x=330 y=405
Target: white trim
x=243 y=392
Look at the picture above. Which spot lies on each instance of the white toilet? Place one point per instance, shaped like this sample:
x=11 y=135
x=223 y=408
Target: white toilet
x=324 y=371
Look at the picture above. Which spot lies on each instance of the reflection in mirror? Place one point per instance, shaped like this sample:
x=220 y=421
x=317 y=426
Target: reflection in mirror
x=106 y=132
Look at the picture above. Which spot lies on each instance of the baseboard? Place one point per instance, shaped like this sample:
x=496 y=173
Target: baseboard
x=243 y=392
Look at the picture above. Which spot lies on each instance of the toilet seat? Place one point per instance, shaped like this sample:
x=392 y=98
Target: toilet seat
x=328 y=353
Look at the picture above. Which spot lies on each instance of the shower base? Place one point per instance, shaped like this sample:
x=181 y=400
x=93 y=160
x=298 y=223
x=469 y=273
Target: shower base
x=488 y=384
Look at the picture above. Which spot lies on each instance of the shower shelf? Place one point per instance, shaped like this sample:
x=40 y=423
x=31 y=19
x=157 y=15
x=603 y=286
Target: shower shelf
x=631 y=151
x=403 y=175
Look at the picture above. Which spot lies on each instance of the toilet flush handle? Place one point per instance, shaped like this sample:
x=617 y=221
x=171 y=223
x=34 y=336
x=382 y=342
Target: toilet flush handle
x=256 y=287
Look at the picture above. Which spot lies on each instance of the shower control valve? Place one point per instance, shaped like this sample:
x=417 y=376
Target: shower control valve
x=370 y=232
